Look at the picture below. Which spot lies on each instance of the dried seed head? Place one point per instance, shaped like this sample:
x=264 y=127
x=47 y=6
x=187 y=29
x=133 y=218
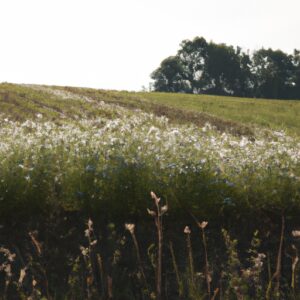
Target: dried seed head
x=187 y=230
x=90 y=224
x=84 y=251
x=35 y=242
x=10 y=256
x=151 y=212
x=296 y=233
x=164 y=209
x=93 y=243
x=7 y=270
x=155 y=198
x=87 y=233
x=152 y=195
x=261 y=255
x=203 y=224
x=246 y=273
x=34 y=282
x=22 y=275
x=130 y=227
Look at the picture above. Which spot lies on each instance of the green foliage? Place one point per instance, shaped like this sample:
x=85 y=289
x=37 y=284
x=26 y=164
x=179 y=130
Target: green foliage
x=274 y=72
x=209 y=68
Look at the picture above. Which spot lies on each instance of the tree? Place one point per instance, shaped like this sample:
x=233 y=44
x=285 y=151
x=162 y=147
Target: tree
x=296 y=75
x=210 y=68
x=193 y=56
x=274 y=72
x=201 y=67
x=169 y=77
x=226 y=71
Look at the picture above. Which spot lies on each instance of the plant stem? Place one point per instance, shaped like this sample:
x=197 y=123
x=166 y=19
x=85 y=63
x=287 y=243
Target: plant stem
x=277 y=273
x=207 y=276
x=159 y=258
x=295 y=260
x=136 y=245
x=175 y=266
x=191 y=261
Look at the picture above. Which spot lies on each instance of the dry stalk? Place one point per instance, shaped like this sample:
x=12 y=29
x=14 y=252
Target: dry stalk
x=175 y=266
x=295 y=260
x=276 y=276
x=202 y=226
x=101 y=269
x=157 y=215
x=110 y=287
x=38 y=248
x=187 y=231
x=216 y=291
x=207 y=274
x=130 y=228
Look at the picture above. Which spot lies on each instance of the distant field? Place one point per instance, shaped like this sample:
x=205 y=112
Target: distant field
x=238 y=112
x=273 y=114
x=227 y=113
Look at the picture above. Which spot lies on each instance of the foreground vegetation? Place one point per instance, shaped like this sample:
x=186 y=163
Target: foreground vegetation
x=67 y=155
x=114 y=264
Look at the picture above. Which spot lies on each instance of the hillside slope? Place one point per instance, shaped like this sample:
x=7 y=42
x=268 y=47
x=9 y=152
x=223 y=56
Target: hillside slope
x=77 y=164
x=235 y=115
x=58 y=139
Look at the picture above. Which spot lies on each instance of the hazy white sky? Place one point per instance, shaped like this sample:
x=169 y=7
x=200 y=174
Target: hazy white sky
x=116 y=44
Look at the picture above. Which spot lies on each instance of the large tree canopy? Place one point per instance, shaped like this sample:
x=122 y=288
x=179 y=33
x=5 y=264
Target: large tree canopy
x=274 y=72
x=210 y=68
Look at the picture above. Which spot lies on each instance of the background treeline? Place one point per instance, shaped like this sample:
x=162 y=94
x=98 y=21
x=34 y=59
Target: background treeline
x=202 y=67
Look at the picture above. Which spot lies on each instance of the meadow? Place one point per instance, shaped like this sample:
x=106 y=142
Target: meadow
x=77 y=164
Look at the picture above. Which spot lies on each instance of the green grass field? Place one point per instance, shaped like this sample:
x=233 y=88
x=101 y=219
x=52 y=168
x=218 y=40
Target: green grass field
x=273 y=114
x=238 y=112
x=21 y=102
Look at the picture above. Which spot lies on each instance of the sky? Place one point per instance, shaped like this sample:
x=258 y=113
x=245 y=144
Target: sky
x=117 y=44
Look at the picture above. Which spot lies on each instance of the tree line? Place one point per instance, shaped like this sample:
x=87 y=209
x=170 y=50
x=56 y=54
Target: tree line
x=202 y=67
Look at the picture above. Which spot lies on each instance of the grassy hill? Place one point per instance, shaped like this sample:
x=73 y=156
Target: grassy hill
x=250 y=144
x=273 y=114
x=226 y=113
x=70 y=154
